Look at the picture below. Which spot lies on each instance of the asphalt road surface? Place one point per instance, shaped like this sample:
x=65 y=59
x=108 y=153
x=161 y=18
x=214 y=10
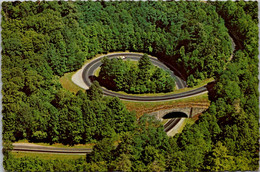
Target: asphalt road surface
x=170 y=124
x=89 y=70
x=28 y=147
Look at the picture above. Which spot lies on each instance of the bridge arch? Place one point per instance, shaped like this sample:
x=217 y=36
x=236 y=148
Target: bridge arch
x=176 y=114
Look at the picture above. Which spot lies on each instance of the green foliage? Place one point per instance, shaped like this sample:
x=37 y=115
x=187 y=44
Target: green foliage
x=143 y=149
x=102 y=151
x=120 y=75
x=161 y=29
x=37 y=164
x=226 y=136
x=144 y=63
x=82 y=120
x=95 y=92
x=238 y=114
x=43 y=40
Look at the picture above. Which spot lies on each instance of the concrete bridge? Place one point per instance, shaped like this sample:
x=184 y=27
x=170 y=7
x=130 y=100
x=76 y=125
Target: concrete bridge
x=178 y=112
x=175 y=116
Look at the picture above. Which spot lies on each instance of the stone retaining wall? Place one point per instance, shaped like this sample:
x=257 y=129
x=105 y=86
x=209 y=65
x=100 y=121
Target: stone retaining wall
x=189 y=111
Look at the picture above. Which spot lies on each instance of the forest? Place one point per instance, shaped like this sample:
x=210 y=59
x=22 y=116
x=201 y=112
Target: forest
x=43 y=40
x=144 y=77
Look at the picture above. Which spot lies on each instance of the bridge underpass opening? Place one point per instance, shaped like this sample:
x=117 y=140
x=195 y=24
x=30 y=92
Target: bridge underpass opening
x=175 y=115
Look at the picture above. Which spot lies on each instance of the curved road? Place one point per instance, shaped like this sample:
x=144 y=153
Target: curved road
x=89 y=70
x=87 y=73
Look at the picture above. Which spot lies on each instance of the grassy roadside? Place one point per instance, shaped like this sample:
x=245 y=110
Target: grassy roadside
x=164 y=121
x=46 y=156
x=202 y=83
x=146 y=107
x=179 y=129
x=67 y=83
x=97 y=71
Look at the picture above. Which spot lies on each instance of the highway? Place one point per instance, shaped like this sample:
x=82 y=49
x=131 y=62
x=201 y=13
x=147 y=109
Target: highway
x=28 y=147
x=170 y=124
x=89 y=70
x=86 y=75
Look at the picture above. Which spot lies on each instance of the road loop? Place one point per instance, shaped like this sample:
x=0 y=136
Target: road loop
x=91 y=67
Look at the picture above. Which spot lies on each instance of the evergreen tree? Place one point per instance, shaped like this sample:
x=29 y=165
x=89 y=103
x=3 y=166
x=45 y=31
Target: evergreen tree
x=95 y=92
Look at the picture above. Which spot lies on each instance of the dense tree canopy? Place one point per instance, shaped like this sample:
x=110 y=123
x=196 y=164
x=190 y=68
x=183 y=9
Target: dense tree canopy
x=43 y=40
x=120 y=75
